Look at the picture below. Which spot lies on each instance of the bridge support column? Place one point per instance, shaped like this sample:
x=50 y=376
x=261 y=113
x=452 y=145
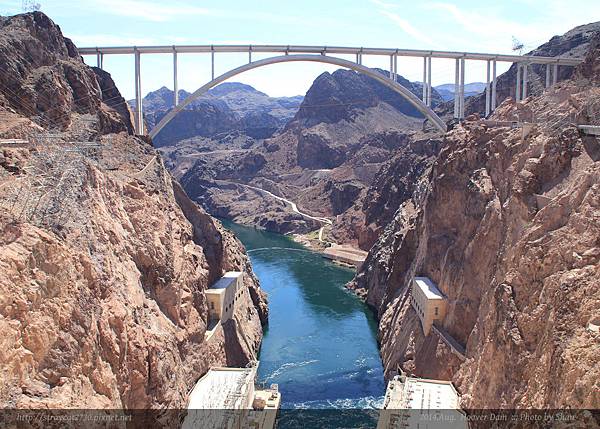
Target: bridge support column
x=488 y=97
x=518 y=86
x=100 y=60
x=139 y=119
x=494 y=98
x=547 y=75
x=395 y=68
x=555 y=74
x=424 y=80
x=428 y=81
x=175 y=86
x=525 y=80
x=212 y=64
x=462 y=88
x=456 y=89
x=392 y=77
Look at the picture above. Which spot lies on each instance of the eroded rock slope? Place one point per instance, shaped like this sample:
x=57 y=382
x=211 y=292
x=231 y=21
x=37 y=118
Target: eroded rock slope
x=507 y=224
x=104 y=260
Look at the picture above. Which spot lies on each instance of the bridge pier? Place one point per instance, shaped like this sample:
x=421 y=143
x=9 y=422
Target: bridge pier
x=427 y=81
x=456 y=88
x=487 y=90
x=139 y=119
x=555 y=74
x=175 y=86
x=462 y=88
x=100 y=60
x=493 y=85
x=395 y=68
x=518 y=86
x=212 y=63
x=525 y=81
x=547 y=75
x=424 y=98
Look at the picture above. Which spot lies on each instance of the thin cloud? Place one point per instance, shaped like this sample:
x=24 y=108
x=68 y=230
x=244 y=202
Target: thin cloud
x=408 y=28
x=82 y=40
x=493 y=31
x=148 y=10
x=384 y=5
x=387 y=9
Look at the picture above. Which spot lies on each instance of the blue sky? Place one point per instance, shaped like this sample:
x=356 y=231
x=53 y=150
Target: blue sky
x=463 y=26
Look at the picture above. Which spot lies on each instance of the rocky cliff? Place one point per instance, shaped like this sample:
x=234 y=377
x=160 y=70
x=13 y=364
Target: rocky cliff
x=507 y=224
x=396 y=181
x=343 y=94
x=104 y=260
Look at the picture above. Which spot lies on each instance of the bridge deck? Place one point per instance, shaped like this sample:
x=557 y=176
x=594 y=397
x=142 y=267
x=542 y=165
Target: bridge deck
x=343 y=50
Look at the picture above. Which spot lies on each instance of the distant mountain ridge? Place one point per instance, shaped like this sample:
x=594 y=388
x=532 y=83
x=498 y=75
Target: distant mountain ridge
x=446 y=90
x=231 y=106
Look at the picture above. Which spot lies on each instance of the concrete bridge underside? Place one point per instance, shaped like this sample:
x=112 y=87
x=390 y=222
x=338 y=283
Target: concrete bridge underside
x=390 y=83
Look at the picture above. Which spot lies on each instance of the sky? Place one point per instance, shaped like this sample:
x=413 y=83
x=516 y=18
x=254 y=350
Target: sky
x=473 y=26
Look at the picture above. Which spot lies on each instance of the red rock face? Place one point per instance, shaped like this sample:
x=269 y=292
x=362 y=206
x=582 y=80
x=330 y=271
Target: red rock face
x=508 y=227
x=44 y=79
x=104 y=260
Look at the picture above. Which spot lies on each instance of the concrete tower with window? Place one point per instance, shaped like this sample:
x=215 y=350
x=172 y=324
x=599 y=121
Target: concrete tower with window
x=222 y=295
x=428 y=302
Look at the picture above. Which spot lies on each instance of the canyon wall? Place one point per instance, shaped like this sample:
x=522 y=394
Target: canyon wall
x=104 y=259
x=507 y=224
x=325 y=159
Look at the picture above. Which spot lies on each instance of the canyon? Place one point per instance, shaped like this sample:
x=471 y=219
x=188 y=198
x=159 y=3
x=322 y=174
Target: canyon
x=109 y=242
x=503 y=219
x=324 y=159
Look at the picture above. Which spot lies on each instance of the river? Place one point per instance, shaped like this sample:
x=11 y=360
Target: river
x=320 y=346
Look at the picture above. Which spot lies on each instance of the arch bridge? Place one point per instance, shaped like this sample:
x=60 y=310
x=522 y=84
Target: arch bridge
x=327 y=54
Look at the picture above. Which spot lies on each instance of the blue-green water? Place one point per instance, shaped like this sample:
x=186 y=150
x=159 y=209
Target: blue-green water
x=320 y=345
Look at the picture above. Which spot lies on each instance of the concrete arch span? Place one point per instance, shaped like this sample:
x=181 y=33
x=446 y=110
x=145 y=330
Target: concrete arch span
x=409 y=96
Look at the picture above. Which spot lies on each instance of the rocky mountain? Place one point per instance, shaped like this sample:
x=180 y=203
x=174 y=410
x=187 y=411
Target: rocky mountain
x=343 y=94
x=104 y=260
x=346 y=128
x=446 y=90
x=574 y=43
x=229 y=107
x=506 y=222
